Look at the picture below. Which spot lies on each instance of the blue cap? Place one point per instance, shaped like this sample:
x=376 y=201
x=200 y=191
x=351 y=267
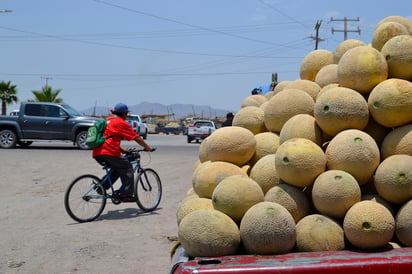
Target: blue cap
x=121 y=108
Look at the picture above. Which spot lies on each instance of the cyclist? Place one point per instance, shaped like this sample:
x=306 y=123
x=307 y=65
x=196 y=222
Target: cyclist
x=110 y=153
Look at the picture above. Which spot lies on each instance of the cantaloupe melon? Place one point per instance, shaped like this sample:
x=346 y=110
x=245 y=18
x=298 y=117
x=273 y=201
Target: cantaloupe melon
x=266 y=143
x=285 y=105
x=281 y=86
x=398 y=19
x=251 y=118
x=189 y=205
x=341 y=108
x=368 y=225
x=264 y=172
x=301 y=126
x=393 y=178
x=398 y=55
x=290 y=197
x=299 y=161
x=355 y=152
x=253 y=100
x=313 y=62
x=310 y=87
x=344 y=47
x=362 y=68
x=334 y=192
x=327 y=75
x=203 y=152
x=235 y=194
x=404 y=224
x=208 y=232
x=207 y=177
x=319 y=233
x=385 y=31
x=197 y=166
x=378 y=199
x=398 y=141
x=268 y=228
x=232 y=144
x=322 y=90
x=390 y=103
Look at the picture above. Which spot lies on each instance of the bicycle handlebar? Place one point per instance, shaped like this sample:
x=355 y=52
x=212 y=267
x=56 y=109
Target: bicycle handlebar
x=131 y=150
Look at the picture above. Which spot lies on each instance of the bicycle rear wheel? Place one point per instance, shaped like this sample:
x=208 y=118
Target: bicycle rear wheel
x=148 y=189
x=81 y=200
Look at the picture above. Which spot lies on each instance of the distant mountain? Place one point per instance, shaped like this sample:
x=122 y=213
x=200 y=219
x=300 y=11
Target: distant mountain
x=179 y=110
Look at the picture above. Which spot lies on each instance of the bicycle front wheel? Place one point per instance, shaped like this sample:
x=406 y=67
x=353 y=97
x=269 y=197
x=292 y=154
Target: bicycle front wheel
x=81 y=200
x=148 y=189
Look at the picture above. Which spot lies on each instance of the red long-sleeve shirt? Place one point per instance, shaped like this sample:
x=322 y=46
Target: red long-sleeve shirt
x=119 y=129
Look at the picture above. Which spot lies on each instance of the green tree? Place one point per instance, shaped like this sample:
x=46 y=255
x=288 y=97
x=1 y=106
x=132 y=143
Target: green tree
x=47 y=94
x=8 y=95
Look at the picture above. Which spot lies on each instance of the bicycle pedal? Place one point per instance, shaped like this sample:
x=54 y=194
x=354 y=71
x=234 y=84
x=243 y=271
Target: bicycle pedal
x=116 y=200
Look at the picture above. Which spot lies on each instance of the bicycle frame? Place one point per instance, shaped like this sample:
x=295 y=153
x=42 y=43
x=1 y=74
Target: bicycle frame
x=109 y=171
x=84 y=204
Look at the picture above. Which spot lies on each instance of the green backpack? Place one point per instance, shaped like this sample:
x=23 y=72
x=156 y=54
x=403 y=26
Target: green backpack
x=95 y=134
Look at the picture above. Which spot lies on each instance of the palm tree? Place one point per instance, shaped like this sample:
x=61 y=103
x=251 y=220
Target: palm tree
x=8 y=95
x=47 y=94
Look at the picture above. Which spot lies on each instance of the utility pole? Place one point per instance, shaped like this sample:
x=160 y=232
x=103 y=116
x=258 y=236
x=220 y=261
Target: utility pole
x=316 y=38
x=345 y=26
x=47 y=80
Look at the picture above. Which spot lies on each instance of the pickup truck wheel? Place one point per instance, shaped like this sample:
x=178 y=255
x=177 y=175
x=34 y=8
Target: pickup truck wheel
x=8 y=138
x=145 y=135
x=81 y=140
x=189 y=140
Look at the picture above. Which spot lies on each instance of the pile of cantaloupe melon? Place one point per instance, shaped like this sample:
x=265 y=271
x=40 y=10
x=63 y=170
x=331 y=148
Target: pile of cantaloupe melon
x=320 y=163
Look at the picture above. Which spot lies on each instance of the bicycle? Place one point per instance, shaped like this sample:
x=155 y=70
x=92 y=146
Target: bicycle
x=85 y=197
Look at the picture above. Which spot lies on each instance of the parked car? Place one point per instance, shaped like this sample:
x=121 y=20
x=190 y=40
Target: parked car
x=138 y=125
x=42 y=121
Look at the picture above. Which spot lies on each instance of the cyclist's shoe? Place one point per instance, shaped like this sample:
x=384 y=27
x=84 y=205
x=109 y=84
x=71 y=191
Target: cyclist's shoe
x=124 y=197
x=122 y=194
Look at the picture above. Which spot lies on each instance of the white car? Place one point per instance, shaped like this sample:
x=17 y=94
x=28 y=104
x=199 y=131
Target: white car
x=139 y=126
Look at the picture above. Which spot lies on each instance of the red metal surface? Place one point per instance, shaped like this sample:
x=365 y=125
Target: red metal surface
x=393 y=261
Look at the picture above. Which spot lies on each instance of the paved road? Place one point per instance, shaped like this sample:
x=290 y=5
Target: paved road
x=37 y=235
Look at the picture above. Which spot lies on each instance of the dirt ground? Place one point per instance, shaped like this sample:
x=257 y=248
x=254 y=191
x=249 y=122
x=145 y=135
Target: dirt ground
x=37 y=235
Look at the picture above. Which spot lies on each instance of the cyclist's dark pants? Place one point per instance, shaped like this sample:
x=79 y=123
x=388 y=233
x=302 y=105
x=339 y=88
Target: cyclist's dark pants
x=122 y=168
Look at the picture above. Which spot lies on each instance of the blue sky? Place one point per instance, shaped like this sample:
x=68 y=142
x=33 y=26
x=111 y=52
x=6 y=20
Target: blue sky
x=184 y=51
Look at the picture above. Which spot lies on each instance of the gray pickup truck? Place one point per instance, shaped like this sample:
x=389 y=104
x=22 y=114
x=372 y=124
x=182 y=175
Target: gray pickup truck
x=40 y=121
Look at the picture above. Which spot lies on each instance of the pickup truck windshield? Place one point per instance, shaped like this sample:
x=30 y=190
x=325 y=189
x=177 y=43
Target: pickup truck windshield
x=71 y=110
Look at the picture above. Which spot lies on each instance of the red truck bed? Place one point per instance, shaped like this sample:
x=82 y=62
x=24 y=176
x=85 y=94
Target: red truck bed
x=397 y=261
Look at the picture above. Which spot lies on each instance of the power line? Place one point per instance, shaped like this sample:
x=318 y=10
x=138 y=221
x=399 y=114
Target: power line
x=345 y=26
x=129 y=75
x=282 y=13
x=140 y=48
x=154 y=34
x=184 y=24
